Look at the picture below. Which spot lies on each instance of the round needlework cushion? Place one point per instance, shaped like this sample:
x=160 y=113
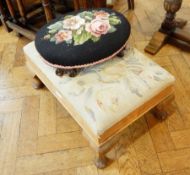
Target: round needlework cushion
x=83 y=38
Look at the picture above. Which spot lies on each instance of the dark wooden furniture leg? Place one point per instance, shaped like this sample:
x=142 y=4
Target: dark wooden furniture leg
x=48 y=10
x=21 y=11
x=131 y=4
x=78 y=4
x=170 y=28
x=3 y=17
x=12 y=24
x=11 y=10
x=19 y=20
x=99 y=3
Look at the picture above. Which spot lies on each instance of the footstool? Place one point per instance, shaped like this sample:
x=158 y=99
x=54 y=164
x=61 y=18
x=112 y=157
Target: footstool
x=82 y=38
x=106 y=98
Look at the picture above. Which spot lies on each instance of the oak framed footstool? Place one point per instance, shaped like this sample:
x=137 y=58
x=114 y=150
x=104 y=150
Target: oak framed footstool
x=106 y=98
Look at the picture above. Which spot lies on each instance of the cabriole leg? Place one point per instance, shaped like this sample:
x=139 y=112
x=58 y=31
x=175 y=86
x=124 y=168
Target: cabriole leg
x=71 y=72
x=121 y=54
x=165 y=108
x=101 y=160
x=59 y=72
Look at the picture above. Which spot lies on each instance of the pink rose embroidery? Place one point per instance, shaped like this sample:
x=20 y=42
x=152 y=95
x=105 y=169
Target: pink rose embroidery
x=98 y=27
x=101 y=15
x=86 y=25
x=63 y=35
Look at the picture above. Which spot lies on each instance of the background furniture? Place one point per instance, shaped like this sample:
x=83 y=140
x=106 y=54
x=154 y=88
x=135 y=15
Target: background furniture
x=170 y=28
x=4 y=14
x=78 y=4
x=131 y=4
x=17 y=16
x=27 y=16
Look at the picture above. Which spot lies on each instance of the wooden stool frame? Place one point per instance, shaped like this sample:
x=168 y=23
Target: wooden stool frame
x=102 y=144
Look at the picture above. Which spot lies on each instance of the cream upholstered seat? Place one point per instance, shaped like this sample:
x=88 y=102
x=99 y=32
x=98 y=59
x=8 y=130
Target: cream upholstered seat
x=102 y=96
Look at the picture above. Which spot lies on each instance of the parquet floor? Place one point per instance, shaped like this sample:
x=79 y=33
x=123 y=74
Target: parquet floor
x=38 y=137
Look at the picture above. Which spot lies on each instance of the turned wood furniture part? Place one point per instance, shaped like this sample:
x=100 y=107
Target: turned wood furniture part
x=78 y=4
x=3 y=14
x=81 y=4
x=15 y=16
x=131 y=4
x=18 y=20
x=26 y=18
x=170 y=28
x=107 y=98
x=98 y=3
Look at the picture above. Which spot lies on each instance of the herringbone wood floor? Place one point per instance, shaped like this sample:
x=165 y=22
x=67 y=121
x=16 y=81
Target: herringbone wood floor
x=38 y=137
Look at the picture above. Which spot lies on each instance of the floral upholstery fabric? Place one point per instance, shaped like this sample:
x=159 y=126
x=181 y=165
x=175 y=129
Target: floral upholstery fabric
x=83 y=38
x=84 y=26
x=104 y=94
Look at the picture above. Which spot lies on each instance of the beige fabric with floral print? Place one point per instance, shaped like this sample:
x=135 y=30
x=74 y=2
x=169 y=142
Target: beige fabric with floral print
x=106 y=93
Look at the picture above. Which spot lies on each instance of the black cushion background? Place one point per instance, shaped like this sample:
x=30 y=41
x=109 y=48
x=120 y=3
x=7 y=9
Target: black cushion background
x=70 y=55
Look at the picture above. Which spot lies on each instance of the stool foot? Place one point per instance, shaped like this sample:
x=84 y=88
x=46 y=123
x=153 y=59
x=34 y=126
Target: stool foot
x=162 y=111
x=101 y=161
x=71 y=72
x=159 y=113
x=37 y=84
x=121 y=54
x=59 y=72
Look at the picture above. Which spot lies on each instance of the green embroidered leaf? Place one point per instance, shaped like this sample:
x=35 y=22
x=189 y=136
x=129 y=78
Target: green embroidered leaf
x=114 y=20
x=58 y=25
x=95 y=39
x=88 y=18
x=86 y=14
x=112 y=29
x=79 y=31
x=68 y=16
x=80 y=39
x=52 y=31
